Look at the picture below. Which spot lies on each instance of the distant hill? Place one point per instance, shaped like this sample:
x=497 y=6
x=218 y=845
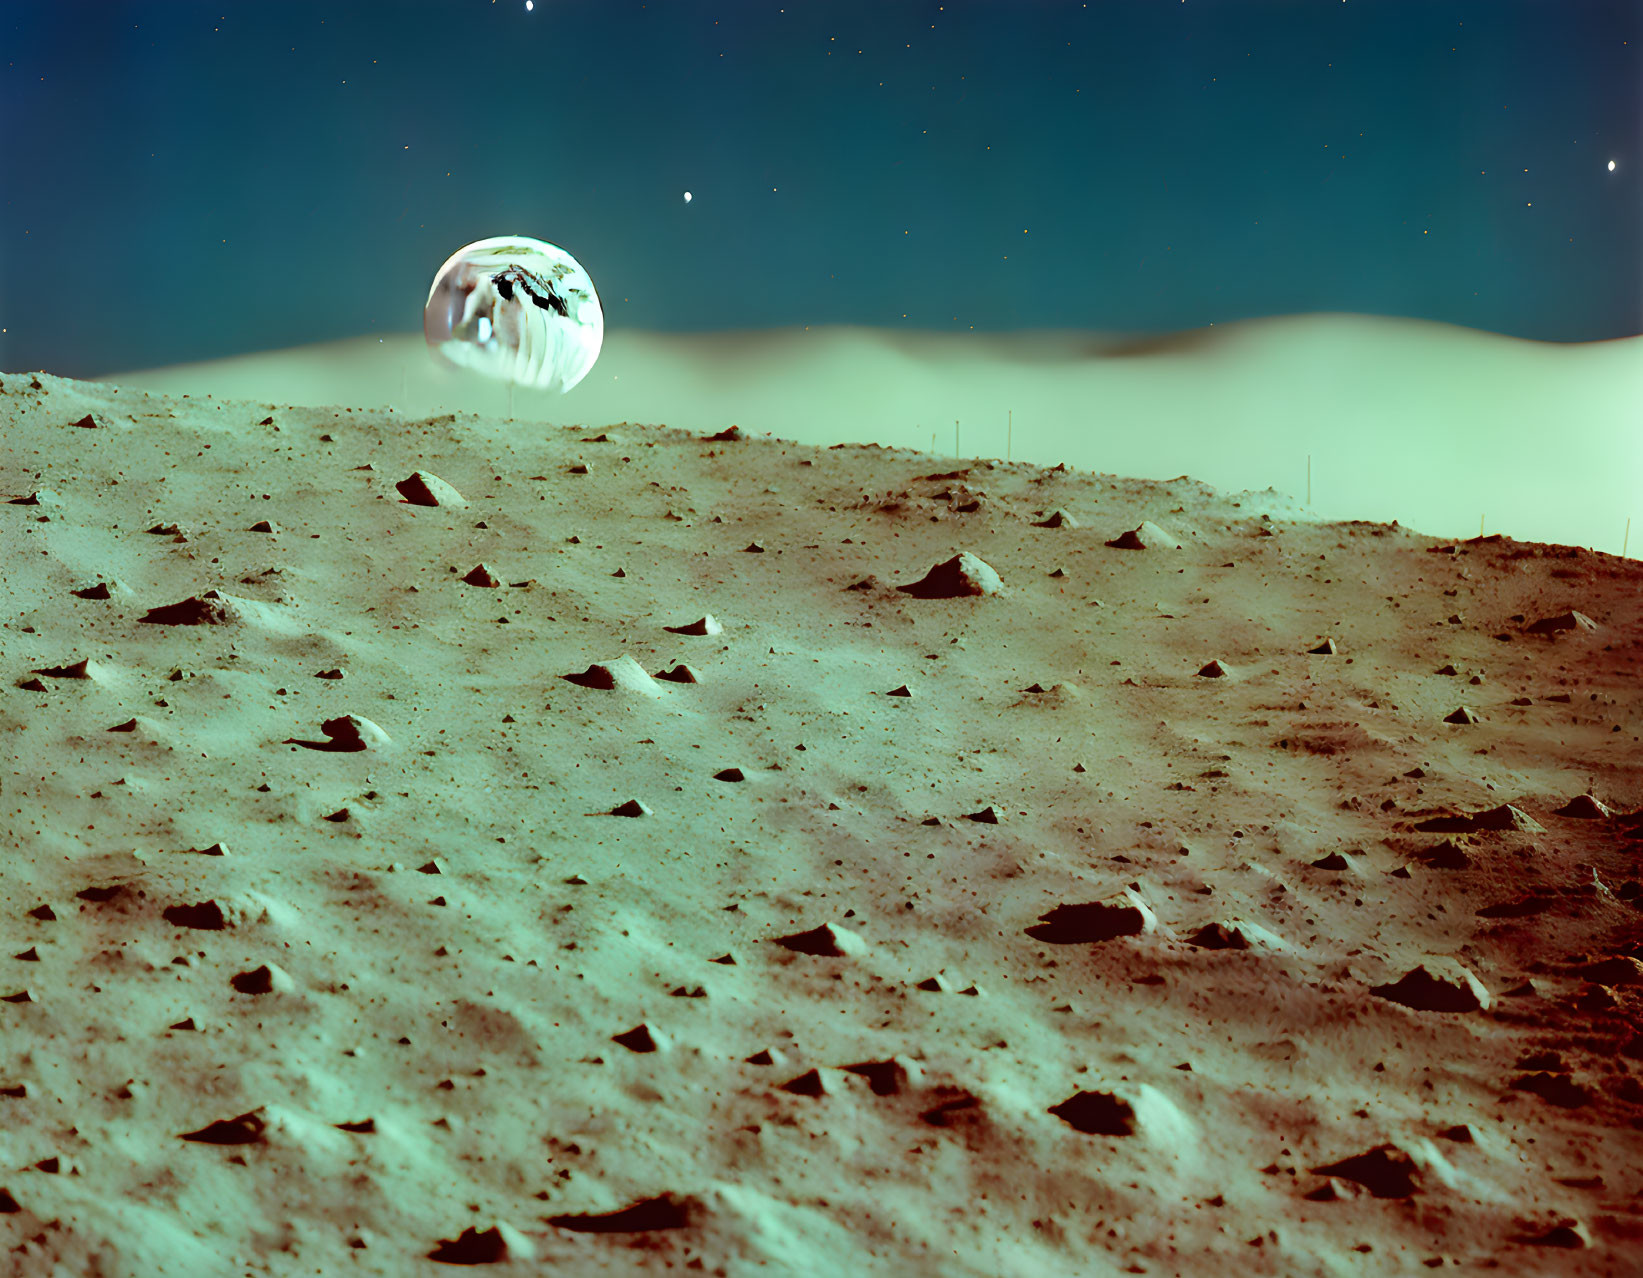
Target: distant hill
x=1423 y=422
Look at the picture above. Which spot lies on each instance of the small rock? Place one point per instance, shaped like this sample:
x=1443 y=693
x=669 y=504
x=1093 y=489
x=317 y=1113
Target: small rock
x=1145 y=536
x=483 y=1247
x=708 y=625
x=962 y=575
x=665 y=1211
x=213 y=608
x=1563 y=621
x=1386 y=1171
x=422 y=489
x=641 y=1038
x=1098 y=921
x=809 y=1083
x=1421 y=990
x=1214 y=936
x=261 y=980
x=1097 y=1113
x=246 y=1129
x=1586 y=807
x=1557 y=1089
x=830 y=939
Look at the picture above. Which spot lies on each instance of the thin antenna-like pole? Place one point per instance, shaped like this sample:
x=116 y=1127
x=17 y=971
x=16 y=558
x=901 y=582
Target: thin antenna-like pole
x=1626 y=540
x=1009 y=435
x=1480 y=526
x=955 y=437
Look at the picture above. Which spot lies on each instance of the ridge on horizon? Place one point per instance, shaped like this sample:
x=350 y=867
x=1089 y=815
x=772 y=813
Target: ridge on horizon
x=1101 y=343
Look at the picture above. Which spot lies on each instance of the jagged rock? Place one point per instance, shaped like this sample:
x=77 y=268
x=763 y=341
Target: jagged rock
x=1504 y=817
x=1555 y=1088
x=665 y=1211
x=265 y=979
x=809 y=1083
x=1145 y=536
x=82 y=669
x=483 y=1247
x=348 y=733
x=1214 y=936
x=1127 y=915
x=708 y=625
x=1097 y=1113
x=213 y=608
x=1571 y=1235
x=246 y=1129
x=205 y=916
x=1617 y=969
x=1563 y=621
x=422 y=489
x=641 y=1038
x=962 y=575
x=1586 y=807
x=886 y=1078
x=1386 y=1171
x=830 y=939
x=39 y=497
x=1447 y=855
x=624 y=673
x=1428 y=993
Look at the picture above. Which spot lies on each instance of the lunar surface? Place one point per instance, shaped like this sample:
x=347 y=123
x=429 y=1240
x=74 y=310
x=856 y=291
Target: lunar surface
x=617 y=849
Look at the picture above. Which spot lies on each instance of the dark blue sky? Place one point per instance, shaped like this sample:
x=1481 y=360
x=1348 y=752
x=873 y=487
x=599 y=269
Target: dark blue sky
x=181 y=181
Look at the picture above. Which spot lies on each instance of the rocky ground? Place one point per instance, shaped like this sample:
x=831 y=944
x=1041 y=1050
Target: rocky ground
x=616 y=850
